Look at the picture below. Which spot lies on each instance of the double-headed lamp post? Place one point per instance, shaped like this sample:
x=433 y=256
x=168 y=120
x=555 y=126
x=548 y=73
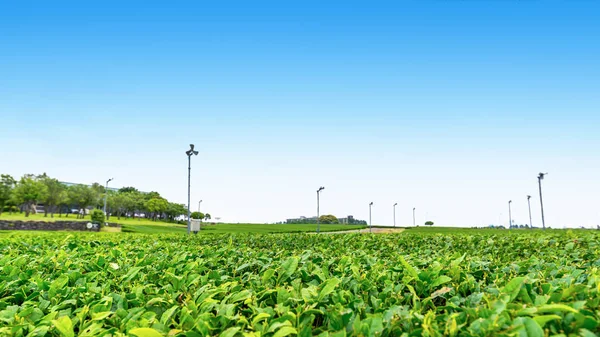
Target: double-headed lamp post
x=529 y=205
x=189 y=153
x=370 y=222
x=509 y=215
x=318 y=215
x=395 y=214
x=106 y=194
x=540 y=178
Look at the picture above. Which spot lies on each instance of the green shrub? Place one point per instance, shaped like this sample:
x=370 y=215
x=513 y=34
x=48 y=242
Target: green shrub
x=197 y=215
x=10 y=209
x=97 y=216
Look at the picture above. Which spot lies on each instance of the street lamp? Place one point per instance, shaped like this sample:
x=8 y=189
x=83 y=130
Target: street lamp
x=106 y=194
x=189 y=153
x=318 y=217
x=529 y=205
x=540 y=178
x=395 y=214
x=370 y=222
x=509 y=215
x=414 y=222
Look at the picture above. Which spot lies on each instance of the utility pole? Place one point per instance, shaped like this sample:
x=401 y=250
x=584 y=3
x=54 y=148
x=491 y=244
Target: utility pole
x=540 y=178
x=509 y=215
x=529 y=205
x=106 y=194
x=414 y=222
x=395 y=214
x=318 y=211
x=370 y=222
x=189 y=153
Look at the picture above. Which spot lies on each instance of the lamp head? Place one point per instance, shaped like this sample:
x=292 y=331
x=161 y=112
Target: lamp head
x=528 y=197
x=395 y=204
x=371 y=203
x=191 y=151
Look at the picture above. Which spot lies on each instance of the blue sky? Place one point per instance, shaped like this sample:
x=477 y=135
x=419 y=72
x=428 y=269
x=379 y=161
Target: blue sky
x=452 y=107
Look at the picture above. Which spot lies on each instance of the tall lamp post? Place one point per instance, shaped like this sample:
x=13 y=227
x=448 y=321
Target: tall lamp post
x=318 y=215
x=370 y=222
x=509 y=215
x=189 y=153
x=414 y=222
x=540 y=178
x=395 y=214
x=529 y=205
x=106 y=194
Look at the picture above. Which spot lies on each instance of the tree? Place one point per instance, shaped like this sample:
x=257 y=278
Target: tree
x=83 y=196
x=63 y=201
x=152 y=195
x=7 y=184
x=137 y=203
x=99 y=190
x=156 y=206
x=197 y=215
x=328 y=219
x=128 y=190
x=174 y=210
x=52 y=198
x=122 y=202
x=429 y=223
x=29 y=191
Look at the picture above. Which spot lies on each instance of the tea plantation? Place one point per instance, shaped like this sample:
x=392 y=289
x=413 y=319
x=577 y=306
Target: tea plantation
x=488 y=283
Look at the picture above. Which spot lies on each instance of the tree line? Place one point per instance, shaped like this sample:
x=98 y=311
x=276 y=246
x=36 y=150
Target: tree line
x=30 y=190
x=325 y=219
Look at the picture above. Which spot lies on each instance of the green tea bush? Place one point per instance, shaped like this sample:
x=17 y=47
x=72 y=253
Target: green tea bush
x=498 y=283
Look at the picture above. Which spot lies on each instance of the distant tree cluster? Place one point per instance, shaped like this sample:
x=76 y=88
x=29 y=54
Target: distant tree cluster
x=200 y=216
x=328 y=219
x=25 y=194
x=325 y=219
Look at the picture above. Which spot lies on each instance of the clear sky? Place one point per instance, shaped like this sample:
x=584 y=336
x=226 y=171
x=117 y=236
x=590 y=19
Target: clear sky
x=452 y=107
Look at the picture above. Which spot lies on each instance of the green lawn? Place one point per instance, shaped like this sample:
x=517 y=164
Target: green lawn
x=159 y=227
x=266 y=228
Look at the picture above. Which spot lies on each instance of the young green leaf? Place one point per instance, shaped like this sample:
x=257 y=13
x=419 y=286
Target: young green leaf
x=64 y=326
x=145 y=332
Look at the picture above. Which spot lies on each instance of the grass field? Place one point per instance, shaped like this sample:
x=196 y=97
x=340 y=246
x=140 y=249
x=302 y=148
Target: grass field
x=417 y=283
x=157 y=227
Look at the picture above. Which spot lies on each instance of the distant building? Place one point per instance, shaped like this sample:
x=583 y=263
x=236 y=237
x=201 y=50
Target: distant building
x=347 y=220
x=302 y=219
